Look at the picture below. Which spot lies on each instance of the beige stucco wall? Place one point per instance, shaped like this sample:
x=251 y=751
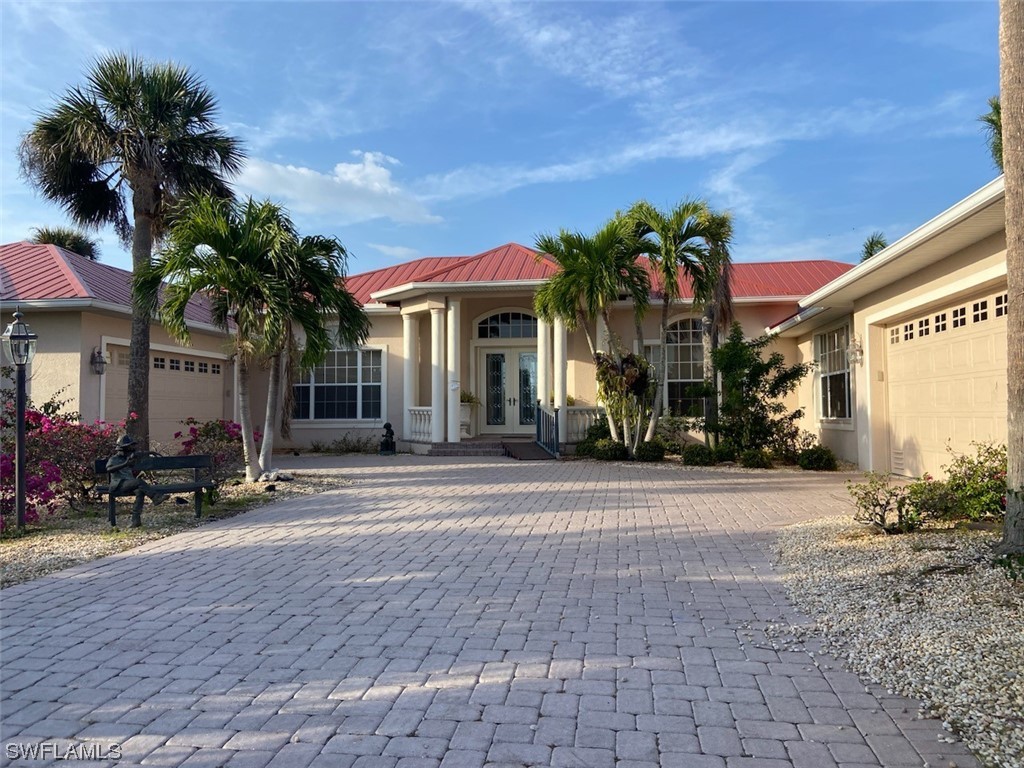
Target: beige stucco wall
x=981 y=266
x=58 y=368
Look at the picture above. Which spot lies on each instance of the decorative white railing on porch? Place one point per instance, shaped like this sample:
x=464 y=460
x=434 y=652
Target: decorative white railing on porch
x=580 y=418
x=420 y=419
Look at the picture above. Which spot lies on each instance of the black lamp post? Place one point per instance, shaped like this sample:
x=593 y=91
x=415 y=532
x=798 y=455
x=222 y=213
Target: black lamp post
x=19 y=344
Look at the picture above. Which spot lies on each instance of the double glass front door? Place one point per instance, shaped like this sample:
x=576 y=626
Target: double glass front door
x=509 y=379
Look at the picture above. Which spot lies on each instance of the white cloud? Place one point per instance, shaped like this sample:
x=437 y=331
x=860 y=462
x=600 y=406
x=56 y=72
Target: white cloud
x=395 y=251
x=350 y=193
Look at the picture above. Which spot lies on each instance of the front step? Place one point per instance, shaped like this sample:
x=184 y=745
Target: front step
x=467 y=449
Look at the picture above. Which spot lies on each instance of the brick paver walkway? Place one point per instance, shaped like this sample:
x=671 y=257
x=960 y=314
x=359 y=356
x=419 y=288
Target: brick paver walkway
x=456 y=613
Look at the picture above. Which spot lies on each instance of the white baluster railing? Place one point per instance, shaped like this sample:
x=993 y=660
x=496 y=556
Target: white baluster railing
x=420 y=419
x=580 y=419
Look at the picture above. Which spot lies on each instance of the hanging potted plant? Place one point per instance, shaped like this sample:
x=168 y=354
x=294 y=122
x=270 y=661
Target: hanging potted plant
x=467 y=400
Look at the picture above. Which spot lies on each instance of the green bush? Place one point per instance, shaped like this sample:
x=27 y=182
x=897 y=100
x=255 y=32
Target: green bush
x=697 y=455
x=725 y=451
x=755 y=458
x=978 y=482
x=672 y=431
x=878 y=501
x=607 y=449
x=651 y=451
x=599 y=430
x=933 y=498
x=818 y=458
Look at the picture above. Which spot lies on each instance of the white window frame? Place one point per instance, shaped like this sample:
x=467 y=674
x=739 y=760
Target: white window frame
x=651 y=346
x=823 y=371
x=360 y=420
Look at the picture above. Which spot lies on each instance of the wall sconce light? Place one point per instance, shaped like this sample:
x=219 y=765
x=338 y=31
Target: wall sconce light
x=97 y=361
x=855 y=352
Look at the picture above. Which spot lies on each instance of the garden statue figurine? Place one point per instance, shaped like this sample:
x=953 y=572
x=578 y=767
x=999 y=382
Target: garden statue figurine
x=124 y=481
x=387 y=445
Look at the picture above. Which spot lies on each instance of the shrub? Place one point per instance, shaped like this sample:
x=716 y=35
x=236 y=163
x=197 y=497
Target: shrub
x=351 y=444
x=585 y=449
x=978 y=482
x=932 y=498
x=607 y=449
x=650 y=451
x=672 y=431
x=698 y=455
x=819 y=458
x=221 y=439
x=755 y=458
x=725 y=451
x=888 y=507
x=599 y=430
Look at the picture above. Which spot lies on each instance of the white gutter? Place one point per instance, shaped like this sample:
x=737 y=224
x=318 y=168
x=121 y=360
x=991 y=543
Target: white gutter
x=795 y=320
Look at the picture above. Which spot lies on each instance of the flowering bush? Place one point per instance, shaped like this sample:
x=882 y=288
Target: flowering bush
x=978 y=482
x=219 y=438
x=884 y=505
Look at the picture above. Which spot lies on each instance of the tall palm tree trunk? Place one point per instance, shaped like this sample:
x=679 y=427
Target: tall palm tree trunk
x=707 y=335
x=270 y=421
x=138 y=362
x=1011 y=49
x=252 y=465
x=661 y=384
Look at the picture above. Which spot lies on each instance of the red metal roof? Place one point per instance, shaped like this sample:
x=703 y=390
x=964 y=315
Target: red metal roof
x=512 y=262
x=45 y=272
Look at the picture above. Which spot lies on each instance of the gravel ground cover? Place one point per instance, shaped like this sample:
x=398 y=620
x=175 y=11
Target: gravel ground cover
x=67 y=538
x=925 y=615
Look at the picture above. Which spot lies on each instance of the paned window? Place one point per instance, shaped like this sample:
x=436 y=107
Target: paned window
x=349 y=385
x=1001 y=304
x=174 y=364
x=834 y=372
x=980 y=311
x=215 y=369
x=204 y=367
x=922 y=327
x=159 y=362
x=908 y=331
x=190 y=366
x=940 y=322
x=507 y=325
x=894 y=335
x=960 y=317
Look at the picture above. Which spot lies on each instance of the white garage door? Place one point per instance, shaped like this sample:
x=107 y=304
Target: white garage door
x=947 y=383
x=179 y=386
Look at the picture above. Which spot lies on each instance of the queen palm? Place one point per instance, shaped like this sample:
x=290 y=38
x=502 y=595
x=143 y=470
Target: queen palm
x=714 y=294
x=236 y=255
x=993 y=122
x=315 y=269
x=676 y=243
x=594 y=272
x=121 y=150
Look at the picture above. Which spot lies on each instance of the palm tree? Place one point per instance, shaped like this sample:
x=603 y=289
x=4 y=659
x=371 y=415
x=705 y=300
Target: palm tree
x=236 y=255
x=594 y=272
x=316 y=269
x=875 y=243
x=714 y=294
x=1011 y=55
x=136 y=137
x=993 y=122
x=69 y=239
x=676 y=243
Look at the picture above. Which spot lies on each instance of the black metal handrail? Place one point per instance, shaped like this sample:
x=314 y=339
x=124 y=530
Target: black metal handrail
x=547 y=429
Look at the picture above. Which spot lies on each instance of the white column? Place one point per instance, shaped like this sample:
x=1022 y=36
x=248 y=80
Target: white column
x=561 y=373
x=543 y=362
x=437 y=374
x=454 y=370
x=410 y=337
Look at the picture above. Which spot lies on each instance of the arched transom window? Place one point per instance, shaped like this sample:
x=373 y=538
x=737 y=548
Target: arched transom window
x=507 y=325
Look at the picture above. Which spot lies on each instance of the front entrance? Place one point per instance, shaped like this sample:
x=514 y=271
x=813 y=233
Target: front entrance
x=508 y=386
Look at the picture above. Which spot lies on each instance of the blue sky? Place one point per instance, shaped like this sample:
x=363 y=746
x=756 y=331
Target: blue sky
x=410 y=129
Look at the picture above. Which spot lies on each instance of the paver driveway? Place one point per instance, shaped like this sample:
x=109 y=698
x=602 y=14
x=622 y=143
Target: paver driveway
x=455 y=613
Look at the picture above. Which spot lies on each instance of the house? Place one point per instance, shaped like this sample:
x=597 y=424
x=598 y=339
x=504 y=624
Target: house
x=445 y=326
x=81 y=310
x=911 y=344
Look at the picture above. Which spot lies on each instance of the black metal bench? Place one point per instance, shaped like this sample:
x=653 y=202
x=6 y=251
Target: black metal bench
x=153 y=463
